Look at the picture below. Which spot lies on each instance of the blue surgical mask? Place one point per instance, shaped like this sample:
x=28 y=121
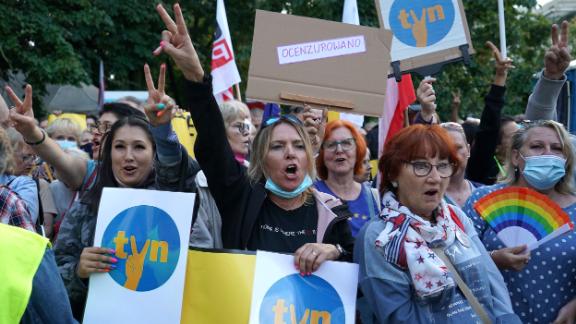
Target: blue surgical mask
x=543 y=171
x=273 y=188
x=66 y=144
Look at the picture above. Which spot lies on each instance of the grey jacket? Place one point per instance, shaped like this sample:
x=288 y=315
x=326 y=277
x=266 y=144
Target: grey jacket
x=542 y=101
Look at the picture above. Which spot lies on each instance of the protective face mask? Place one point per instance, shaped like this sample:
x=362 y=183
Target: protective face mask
x=66 y=144
x=543 y=171
x=273 y=188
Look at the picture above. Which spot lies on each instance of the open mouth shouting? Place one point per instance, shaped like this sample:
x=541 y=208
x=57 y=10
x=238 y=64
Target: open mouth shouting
x=291 y=171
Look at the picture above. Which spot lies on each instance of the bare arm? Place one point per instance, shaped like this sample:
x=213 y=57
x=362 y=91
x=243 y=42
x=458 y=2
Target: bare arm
x=71 y=170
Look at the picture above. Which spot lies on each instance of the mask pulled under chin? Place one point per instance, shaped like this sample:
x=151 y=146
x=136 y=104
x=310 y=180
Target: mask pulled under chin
x=275 y=189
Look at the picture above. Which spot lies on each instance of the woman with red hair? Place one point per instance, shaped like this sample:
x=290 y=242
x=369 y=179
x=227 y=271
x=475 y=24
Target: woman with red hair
x=339 y=160
x=421 y=261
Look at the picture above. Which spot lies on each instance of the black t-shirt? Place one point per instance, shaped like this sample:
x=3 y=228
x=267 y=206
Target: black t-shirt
x=285 y=231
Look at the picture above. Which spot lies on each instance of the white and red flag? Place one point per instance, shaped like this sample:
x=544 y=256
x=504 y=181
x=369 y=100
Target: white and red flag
x=224 y=71
x=399 y=95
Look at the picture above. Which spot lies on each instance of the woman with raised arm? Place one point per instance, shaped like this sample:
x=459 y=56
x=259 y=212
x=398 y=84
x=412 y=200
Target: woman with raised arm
x=542 y=283
x=271 y=206
x=127 y=161
x=77 y=173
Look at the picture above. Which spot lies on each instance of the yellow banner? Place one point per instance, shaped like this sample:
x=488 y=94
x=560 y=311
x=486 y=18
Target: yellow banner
x=333 y=115
x=185 y=130
x=218 y=287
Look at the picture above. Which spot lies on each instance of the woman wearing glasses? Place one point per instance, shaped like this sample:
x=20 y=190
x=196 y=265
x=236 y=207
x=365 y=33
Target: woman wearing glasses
x=272 y=206
x=418 y=257
x=541 y=283
x=341 y=158
x=238 y=125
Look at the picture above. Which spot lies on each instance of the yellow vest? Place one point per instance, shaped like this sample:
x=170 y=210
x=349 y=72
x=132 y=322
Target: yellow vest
x=21 y=252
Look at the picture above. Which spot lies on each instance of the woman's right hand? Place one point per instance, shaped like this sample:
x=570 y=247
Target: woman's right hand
x=95 y=259
x=176 y=42
x=514 y=258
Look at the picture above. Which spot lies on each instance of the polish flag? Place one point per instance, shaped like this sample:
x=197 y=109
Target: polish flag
x=399 y=95
x=224 y=71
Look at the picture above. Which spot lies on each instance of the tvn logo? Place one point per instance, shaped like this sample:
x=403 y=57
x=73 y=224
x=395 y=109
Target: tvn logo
x=421 y=23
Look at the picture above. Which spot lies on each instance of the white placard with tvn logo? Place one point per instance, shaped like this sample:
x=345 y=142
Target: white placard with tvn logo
x=425 y=32
x=149 y=232
x=281 y=295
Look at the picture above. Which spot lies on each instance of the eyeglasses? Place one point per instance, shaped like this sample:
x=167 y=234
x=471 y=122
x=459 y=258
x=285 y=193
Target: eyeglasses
x=346 y=144
x=102 y=128
x=287 y=118
x=423 y=168
x=242 y=127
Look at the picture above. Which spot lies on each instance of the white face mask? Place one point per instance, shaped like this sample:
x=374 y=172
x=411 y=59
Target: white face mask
x=66 y=144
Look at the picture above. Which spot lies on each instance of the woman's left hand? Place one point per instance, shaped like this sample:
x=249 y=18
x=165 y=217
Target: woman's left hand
x=158 y=107
x=567 y=314
x=310 y=256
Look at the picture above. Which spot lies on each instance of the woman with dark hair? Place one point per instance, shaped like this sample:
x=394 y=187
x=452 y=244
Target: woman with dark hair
x=127 y=160
x=272 y=206
x=77 y=173
x=341 y=157
x=421 y=250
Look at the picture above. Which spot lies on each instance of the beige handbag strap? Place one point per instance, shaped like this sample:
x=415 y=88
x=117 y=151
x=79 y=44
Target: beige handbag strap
x=472 y=300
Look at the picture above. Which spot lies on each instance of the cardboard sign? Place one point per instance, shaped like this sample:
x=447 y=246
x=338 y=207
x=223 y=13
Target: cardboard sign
x=325 y=64
x=282 y=295
x=149 y=230
x=426 y=32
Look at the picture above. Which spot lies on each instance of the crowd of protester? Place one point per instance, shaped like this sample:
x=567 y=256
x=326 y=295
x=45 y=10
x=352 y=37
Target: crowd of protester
x=420 y=244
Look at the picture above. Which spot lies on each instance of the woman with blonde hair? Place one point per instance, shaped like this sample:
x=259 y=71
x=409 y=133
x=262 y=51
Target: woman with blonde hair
x=272 y=206
x=541 y=283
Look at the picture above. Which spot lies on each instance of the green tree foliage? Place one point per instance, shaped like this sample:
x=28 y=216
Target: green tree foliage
x=62 y=41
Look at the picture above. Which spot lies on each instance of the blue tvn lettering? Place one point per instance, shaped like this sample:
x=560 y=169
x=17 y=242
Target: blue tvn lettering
x=302 y=300
x=147 y=247
x=421 y=23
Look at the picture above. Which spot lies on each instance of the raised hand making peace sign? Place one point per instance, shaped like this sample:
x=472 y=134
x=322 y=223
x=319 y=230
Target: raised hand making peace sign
x=557 y=58
x=158 y=107
x=177 y=44
x=22 y=115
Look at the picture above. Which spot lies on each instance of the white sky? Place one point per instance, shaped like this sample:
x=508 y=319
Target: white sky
x=543 y=2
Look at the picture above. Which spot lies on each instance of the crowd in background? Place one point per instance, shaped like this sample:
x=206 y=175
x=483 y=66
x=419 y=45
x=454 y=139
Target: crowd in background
x=409 y=222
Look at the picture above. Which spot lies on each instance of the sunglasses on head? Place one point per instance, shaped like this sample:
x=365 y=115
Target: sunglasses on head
x=287 y=118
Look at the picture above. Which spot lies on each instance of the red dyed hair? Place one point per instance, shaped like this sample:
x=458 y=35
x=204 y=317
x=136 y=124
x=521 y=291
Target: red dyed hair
x=360 y=148
x=414 y=142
